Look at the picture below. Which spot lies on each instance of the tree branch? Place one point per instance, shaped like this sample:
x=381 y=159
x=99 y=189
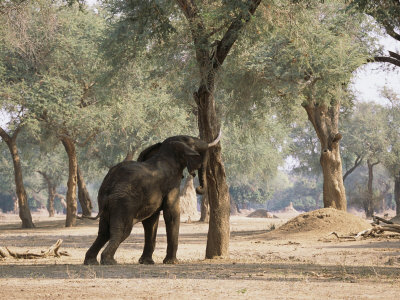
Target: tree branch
x=394 y=55
x=390 y=31
x=357 y=162
x=231 y=35
x=386 y=59
x=4 y=135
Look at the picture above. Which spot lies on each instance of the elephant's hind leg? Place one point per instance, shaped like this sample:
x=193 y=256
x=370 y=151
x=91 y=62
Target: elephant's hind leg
x=150 y=226
x=102 y=238
x=119 y=231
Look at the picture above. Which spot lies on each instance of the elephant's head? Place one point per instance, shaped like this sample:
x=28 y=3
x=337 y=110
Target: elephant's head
x=191 y=152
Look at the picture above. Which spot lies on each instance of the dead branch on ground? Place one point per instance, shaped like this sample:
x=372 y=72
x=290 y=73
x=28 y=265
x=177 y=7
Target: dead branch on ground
x=52 y=251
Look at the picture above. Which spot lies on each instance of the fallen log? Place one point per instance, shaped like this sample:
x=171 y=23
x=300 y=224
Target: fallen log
x=52 y=251
x=377 y=219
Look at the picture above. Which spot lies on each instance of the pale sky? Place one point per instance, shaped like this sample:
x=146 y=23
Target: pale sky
x=371 y=78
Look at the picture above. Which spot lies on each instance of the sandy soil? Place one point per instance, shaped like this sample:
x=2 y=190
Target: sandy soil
x=261 y=265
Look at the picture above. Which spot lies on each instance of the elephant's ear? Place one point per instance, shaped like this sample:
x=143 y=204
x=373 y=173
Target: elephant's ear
x=149 y=152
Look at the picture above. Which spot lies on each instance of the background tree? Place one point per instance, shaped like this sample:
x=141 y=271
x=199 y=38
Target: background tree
x=392 y=162
x=308 y=55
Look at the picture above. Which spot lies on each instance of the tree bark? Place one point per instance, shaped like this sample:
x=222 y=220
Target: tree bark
x=69 y=146
x=24 y=212
x=83 y=195
x=325 y=120
x=217 y=189
x=397 y=193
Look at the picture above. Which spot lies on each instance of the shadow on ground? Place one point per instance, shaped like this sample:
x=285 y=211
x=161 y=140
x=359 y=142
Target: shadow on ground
x=202 y=270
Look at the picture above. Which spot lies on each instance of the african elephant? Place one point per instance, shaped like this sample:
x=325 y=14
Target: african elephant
x=135 y=192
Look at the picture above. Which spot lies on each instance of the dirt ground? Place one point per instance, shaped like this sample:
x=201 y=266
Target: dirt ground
x=263 y=264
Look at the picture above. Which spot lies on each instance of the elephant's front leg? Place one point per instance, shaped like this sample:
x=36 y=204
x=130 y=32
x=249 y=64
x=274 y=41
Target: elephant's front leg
x=171 y=213
x=150 y=226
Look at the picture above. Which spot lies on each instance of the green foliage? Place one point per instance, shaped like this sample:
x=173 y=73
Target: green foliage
x=365 y=133
x=246 y=195
x=304 y=193
x=311 y=52
x=384 y=12
x=392 y=118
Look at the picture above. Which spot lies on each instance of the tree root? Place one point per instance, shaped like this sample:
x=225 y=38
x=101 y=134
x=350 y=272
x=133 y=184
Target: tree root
x=52 y=251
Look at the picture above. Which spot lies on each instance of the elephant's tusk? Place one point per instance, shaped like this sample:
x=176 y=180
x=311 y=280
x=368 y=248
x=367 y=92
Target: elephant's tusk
x=216 y=140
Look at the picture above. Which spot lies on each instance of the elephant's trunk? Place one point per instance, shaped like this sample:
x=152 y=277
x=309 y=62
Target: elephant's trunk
x=203 y=169
x=202 y=175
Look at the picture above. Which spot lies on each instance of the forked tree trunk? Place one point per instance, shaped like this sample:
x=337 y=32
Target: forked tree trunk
x=397 y=193
x=69 y=146
x=83 y=195
x=24 y=212
x=325 y=120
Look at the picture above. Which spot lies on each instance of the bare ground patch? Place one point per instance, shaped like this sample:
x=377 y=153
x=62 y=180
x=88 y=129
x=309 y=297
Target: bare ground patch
x=259 y=266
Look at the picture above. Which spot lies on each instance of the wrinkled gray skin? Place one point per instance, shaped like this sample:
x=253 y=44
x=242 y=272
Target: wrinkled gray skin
x=135 y=192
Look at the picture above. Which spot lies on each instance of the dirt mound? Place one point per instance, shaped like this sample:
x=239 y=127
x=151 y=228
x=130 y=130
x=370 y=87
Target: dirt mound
x=323 y=221
x=260 y=213
x=289 y=209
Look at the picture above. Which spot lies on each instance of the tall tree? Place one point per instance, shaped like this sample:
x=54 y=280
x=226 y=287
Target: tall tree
x=214 y=28
x=308 y=55
x=24 y=212
x=366 y=136
x=392 y=161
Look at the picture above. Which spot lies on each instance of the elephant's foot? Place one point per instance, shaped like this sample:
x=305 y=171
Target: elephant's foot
x=171 y=261
x=108 y=261
x=91 y=261
x=146 y=261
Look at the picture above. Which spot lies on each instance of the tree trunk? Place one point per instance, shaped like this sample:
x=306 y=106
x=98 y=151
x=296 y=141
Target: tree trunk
x=217 y=189
x=369 y=204
x=234 y=208
x=325 y=120
x=50 y=203
x=397 y=193
x=69 y=146
x=83 y=195
x=204 y=209
x=24 y=212
x=209 y=60
x=51 y=190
